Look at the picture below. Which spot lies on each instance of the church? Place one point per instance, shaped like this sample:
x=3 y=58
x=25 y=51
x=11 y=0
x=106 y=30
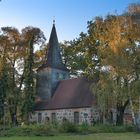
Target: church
x=60 y=97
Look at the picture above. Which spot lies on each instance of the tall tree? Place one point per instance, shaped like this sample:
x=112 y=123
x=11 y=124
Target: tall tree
x=3 y=75
x=31 y=36
x=118 y=51
x=10 y=48
x=16 y=62
x=111 y=48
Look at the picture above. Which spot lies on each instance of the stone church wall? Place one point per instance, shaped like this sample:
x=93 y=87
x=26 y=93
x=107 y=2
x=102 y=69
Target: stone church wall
x=88 y=115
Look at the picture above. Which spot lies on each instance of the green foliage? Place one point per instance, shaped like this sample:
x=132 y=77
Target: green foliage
x=111 y=129
x=68 y=127
x=31 y=130
x=4 y=87
x=31 y=36
x=118 y=54
x=14 y=62
x=84 y=128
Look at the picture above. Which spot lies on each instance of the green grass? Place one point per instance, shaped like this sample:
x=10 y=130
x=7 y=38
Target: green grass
x=99 y=136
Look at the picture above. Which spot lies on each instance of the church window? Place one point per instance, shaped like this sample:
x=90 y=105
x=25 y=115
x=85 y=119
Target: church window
x=39 y=117
x=76 y=117
x=53 y=117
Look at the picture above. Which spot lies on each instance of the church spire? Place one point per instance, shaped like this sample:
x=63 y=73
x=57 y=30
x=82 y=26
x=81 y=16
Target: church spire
x=54 y=59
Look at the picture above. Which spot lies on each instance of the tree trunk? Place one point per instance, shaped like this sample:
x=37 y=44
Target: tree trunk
x=138 y=119
x=120 y=112
x=13 y=115
x=132 y=111
x=120 y=115
x=14 y=119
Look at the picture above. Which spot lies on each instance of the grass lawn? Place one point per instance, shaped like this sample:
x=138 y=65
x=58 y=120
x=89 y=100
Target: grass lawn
x=99 y=136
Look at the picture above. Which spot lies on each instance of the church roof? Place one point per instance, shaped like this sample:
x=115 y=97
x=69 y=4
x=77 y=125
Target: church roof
x=71 y=93
x=54 y=59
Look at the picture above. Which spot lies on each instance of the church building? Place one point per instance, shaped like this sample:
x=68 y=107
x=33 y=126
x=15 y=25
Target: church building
x=60 y=97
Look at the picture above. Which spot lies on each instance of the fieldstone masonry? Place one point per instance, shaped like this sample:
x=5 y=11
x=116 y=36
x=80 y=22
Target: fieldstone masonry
x=47 y=81
x=86 y=115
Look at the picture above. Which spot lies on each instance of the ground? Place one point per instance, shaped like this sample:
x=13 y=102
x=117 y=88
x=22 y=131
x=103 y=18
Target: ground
x=99 y=136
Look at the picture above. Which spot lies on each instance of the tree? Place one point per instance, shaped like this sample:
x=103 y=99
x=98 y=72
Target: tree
x=3 y=83
x=80 y=54
x=31 y=36
x=111 y=53
x=16 y=62
x=13 y=57
x=9 y=48
x=118 y=36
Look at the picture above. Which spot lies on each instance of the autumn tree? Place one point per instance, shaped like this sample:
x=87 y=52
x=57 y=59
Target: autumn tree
x=3 y=74
x=16 y=71
x=11 y=48
x=117 y=35
x=110 y=51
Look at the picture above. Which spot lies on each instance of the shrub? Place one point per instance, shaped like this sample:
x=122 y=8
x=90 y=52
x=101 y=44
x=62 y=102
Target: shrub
x=68 y=127
x=111 y=128
x=50 y=129
x=83 y=128
x=30 y=130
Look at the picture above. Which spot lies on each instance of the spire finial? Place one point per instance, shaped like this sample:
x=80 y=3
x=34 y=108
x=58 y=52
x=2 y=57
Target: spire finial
x=53 y=20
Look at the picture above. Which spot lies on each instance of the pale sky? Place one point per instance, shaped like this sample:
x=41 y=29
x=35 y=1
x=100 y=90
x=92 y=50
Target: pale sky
x=71 y=16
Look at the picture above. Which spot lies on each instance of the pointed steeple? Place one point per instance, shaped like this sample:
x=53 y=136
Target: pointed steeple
x=54 y=59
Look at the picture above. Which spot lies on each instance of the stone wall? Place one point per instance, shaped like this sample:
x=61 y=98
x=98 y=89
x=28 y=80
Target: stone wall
x=88 y=115
x=47 y=81
x=43 y=84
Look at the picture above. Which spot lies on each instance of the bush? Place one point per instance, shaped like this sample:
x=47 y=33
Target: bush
x=111 y=128
x=83 y=128
x=68 y=127
x=30 y=130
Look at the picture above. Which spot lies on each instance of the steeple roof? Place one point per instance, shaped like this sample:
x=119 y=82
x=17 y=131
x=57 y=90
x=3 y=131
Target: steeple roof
x=54 y=59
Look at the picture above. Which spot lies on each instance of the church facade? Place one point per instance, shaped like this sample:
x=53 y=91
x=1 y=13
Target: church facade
x=60 y=98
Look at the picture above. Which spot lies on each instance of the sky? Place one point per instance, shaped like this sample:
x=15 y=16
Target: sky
x=70 y=16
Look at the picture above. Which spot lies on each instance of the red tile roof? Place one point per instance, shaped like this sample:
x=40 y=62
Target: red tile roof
x=71 y=93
